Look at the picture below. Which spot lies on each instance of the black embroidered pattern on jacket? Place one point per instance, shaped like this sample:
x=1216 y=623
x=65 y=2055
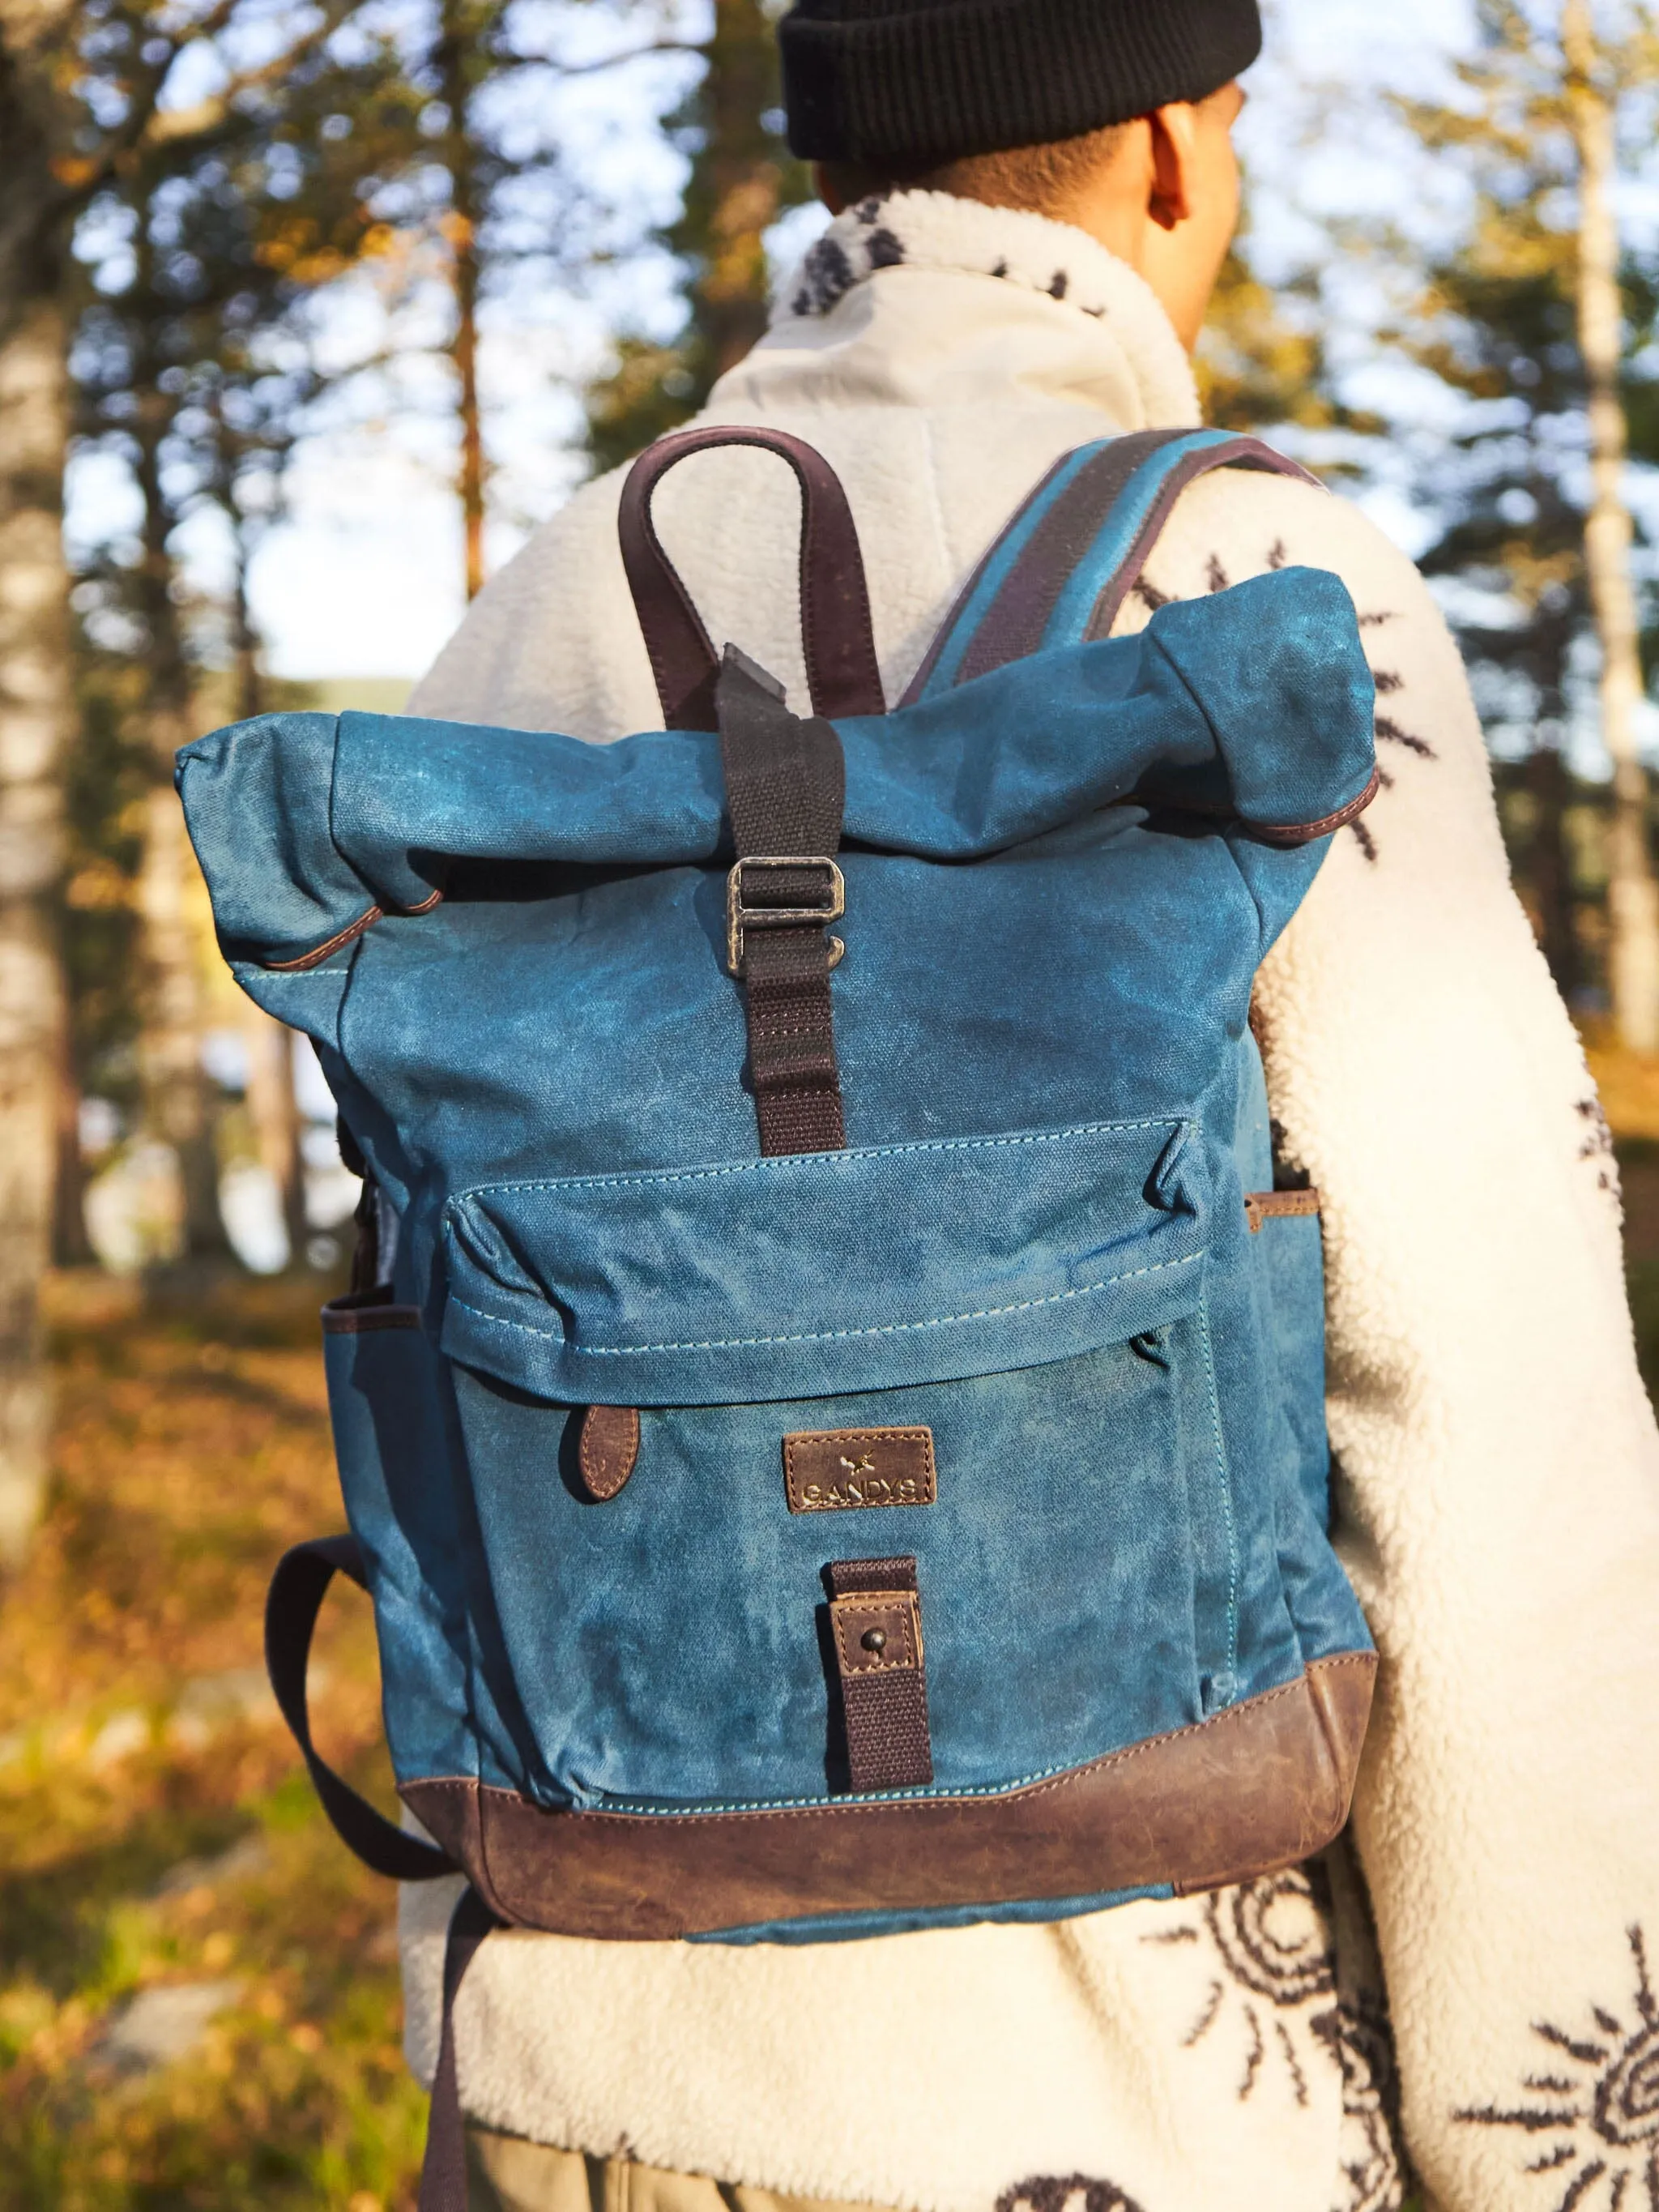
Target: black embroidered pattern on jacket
x=1388 y=680
x=1286 y=2003
x=826 y=274
x=1270 y=1941
x=1593 y=2118
x=1392 y=734
x=1359 y=2040
x=850 y=251
x=1283 y=1954
x=1597 y=1144
x=1072 y=2192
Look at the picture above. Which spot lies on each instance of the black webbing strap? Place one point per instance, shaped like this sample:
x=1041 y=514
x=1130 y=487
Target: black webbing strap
x=875 y=1618
x=297 y=1590
x=786 y=783
x=295 y=1596
x=443 y=2175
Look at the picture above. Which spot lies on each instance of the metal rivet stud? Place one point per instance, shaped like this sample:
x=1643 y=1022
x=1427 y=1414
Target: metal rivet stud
x=874 y=1639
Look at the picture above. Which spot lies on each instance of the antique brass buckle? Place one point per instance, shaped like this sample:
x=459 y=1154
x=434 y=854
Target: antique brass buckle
x=740 y=917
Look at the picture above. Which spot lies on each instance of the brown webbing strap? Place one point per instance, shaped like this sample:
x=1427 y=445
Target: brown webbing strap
x=443 y=2171
x=835 y=602
x=1014 y=624
x=1017 y=618
x=786 y=783
x=1236 y=454
x=875 y=1618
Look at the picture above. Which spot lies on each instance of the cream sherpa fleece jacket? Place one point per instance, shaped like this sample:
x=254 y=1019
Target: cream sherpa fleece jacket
x=1499 y=1480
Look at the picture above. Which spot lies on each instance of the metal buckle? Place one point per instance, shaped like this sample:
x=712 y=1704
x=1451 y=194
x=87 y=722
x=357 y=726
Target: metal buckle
x=740 y=917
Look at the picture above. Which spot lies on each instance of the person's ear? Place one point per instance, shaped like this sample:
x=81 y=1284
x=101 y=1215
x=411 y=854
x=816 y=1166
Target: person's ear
x=825 y=190
x=1175 y=137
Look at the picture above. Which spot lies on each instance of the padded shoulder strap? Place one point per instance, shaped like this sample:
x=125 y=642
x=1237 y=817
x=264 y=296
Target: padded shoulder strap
x=1060 y=570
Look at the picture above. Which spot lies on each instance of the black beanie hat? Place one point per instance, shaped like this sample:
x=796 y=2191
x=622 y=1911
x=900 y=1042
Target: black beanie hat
x=917 y=82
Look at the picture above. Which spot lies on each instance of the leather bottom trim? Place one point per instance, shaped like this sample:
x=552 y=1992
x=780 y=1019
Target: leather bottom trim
x=1255 y=1788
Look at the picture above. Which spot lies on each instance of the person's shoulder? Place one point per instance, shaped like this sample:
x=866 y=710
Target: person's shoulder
x=550 y=642
x=1237 y=522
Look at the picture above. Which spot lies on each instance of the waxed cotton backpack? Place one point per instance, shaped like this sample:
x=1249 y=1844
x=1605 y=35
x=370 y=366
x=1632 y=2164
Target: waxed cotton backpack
x=840 y=1447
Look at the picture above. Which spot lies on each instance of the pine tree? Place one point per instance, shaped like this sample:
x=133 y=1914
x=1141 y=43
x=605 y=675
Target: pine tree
x=1260 y=360
x=35 y=715
x=1502 y=319
x=225 y=228
x=741 y=179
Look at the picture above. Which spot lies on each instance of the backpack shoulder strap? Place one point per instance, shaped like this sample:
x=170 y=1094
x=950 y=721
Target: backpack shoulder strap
x=1064 y=565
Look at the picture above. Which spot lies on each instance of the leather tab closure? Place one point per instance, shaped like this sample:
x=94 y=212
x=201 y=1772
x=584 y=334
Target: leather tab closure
x=1262 y=1206
x=878 y=1632
x=875 y=1617
x=609 y=1449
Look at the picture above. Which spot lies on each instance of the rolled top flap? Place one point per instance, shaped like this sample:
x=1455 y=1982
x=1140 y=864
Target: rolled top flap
x=1256 y=701
x=828 y=1271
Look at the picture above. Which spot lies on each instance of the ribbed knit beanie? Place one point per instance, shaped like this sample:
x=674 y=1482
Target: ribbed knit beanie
x=917 y=82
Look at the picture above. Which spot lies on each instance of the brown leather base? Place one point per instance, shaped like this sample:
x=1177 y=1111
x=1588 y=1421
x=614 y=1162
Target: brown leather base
x=1258 y=1787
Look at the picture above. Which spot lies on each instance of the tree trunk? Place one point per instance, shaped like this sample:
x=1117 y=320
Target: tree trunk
x=275 y=1114
x=245 y=638
x=737 y=189
x=35 y=711
x=1551 y=867
x=1632 y=894
x=271 y=1105
x=71 y=1247
x=178 y=1098
x=461 y=229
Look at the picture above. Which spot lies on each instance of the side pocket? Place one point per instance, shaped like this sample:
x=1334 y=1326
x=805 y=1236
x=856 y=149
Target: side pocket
x=1289 y=1251
x=1212 y=1511
x=399 y=1499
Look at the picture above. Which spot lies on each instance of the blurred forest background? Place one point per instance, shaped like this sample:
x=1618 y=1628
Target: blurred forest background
x=482 y=246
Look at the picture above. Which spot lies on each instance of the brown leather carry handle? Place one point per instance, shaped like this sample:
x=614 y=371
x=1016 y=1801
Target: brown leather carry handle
x=834 y=601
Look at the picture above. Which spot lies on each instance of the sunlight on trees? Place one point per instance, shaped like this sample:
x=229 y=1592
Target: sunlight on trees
x=230 y=232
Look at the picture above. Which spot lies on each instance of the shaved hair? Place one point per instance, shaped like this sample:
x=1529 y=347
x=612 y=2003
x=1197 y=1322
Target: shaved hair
x=1042 y=180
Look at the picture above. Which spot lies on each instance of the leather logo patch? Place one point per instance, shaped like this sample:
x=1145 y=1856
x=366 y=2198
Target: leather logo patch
x=834 y=1470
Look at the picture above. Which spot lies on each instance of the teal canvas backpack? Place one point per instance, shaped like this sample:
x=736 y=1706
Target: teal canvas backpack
x=839 y=1446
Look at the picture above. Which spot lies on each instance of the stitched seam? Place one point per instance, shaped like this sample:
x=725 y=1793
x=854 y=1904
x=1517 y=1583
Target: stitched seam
x=341 y=937
x=1226 y=1481
x=858 y=1436
x=822 y=1335
x=1043 y=1782
x=831 y=1159
x=1305 y=833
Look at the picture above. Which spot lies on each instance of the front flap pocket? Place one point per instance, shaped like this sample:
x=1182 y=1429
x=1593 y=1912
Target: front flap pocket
x=821 y=1272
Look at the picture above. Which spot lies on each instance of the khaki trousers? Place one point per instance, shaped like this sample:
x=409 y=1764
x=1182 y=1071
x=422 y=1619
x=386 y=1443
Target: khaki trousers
x=505 y=2173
